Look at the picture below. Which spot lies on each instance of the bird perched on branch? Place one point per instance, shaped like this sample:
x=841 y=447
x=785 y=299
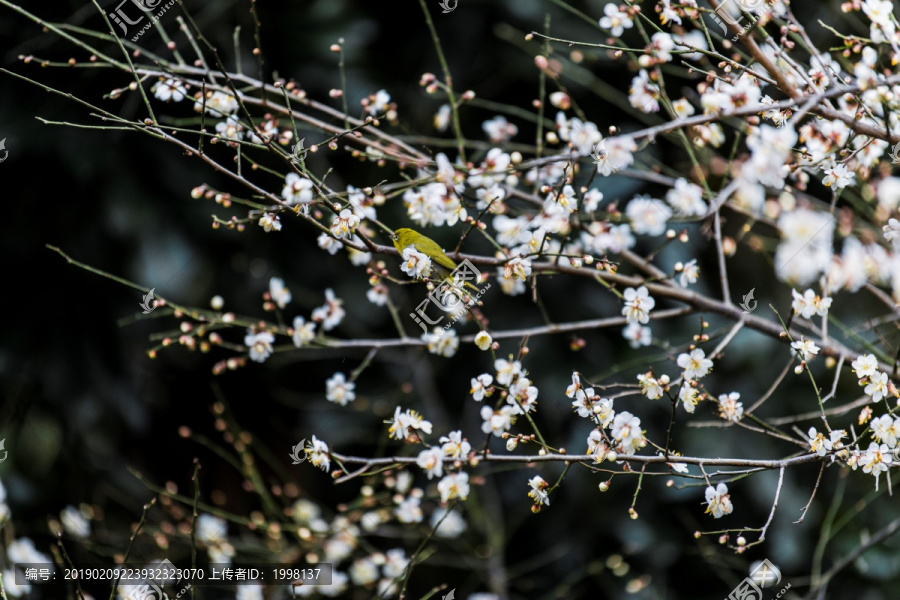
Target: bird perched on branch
x=441 y=264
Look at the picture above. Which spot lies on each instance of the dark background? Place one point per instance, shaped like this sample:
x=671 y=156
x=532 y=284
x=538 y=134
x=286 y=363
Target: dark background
x=82 y=402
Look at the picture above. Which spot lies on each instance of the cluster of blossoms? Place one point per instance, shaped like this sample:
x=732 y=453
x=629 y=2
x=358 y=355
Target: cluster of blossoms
x=573 y=227
x=303 y=332
x=515 y=388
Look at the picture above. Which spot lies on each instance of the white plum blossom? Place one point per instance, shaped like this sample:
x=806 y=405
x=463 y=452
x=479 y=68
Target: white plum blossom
x=169 y=89
x=668 y=14
x=637 y=335
x=650 y=386
x=443 y=342
x=483 y=340
x=538 y=491
x=317 y=453
x=648 y=215
x=806 y=249
x=496 y=422
x=838 y=176
x=615 y=21
x=280 y=294
x=690 y=272
x=363 y=571
x=452 y=525
x=517 y=268
x=878 y=386
x=689 y=396
x=480 y=385
x=431 y=461
x=507 y=370
x=492 y=170
x=686 y=198
x=581 y=135
x=454 y=446
x=329 y=243
x=211 y=528
x=809 y=304
x=892 y=233
x=331 y=313
x=415 y=264
x=218 y=104
x=617 y=154
x=442 y=117
x=643 y=93
x=886 y=429
x=729 y=407
x=718 y=501
x=695 y=364
x=73 y=520
x=409 y=510
x=626 y=429
x=876 y=460
x=806 y=348
x=259 y=344
x=378 y=103
x=339 y=390
x=865 y=365
x=771 y=147
x=820 y=444
x=270 y=222
x=659 y=50
x=454 y=485
x=592 y=199
x=499 y=130
x=378 y=295
x=405 y=422
x=598 y=446
x=344 y=225
x=523 y=395
x=304 y=332
x=638 y=304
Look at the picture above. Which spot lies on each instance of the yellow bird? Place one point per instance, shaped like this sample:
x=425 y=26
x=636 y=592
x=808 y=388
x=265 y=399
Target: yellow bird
x=441 y=264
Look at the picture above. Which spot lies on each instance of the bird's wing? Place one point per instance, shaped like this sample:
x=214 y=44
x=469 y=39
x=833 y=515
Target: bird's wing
x=432 y=249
